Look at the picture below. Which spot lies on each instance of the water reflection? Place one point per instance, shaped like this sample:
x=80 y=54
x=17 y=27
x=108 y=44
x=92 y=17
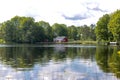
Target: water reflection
x=59 y=62
x=108 y=59
x=26 y=57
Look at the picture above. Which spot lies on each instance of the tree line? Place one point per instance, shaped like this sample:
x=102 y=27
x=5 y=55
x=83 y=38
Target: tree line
x=25 y=30
x=108 y=27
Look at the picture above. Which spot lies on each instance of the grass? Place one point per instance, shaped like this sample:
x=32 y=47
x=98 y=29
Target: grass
x=2 y=41
x=71 y=41
x=79 y=42
x=89 y=42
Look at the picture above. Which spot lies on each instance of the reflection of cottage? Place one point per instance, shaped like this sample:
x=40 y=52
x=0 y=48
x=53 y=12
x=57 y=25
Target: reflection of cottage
x=61 y=39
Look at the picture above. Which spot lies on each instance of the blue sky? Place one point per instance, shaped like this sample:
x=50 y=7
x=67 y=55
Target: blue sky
x=69 y=12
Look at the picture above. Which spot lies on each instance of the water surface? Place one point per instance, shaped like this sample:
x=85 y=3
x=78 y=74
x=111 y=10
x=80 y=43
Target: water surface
x=59 y=62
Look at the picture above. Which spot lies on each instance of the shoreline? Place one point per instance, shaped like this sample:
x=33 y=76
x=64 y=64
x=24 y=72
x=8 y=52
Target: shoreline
x=71 y=42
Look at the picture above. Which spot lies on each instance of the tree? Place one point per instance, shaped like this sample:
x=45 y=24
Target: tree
x=114 y=25
x=92 y=32
x=47 y=30
x=9 y=31
x=84 y=32
x=36 y=33
x=72 y=32
x=25 y=24
x=101 y=30
x=22 y=29
x=59 y=29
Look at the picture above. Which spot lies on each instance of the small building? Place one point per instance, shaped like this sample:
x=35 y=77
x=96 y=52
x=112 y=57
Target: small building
x=60 y=39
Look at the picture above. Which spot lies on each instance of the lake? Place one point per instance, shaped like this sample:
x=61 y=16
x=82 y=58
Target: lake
x=59 y=62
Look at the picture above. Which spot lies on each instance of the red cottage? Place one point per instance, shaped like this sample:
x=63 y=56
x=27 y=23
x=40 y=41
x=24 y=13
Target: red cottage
x=60 y=39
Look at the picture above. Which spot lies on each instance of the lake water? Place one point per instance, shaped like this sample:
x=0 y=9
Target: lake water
x=59 y=62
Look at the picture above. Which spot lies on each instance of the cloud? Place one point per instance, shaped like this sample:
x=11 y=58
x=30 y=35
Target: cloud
x=76 y=17
x=97 y=9
x=31 y=13
x=70 y=12
x=94 y=6
x=87 y=10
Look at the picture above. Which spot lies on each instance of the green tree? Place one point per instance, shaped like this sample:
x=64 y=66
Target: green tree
x=16 y=29
x=72 y=32
x=114 y=25
x=22 y=29
x=25 y=24
x=9 y=31
x=36 y=33
x=101 y=30
x=47 y=30
x=59 y=29
x=85 y=32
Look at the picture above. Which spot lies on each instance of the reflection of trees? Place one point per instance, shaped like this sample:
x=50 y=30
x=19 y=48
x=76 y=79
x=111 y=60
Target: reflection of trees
x=87 y=53
x=102 y=56
x=114 y=62
x=108 y=59
x=18 y=56
x=26 y=57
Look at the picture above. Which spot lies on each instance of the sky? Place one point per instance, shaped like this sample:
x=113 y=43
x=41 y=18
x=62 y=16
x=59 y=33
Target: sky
x=69 y=12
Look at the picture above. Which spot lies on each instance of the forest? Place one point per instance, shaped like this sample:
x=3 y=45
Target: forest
x=26 y=30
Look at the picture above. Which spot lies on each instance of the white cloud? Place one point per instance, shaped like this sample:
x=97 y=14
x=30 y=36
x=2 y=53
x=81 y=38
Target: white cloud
x=52 y=11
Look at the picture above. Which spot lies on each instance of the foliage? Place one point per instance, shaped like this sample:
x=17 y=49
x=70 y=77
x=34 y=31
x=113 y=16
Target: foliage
x=101 y=29
x=72 y=32
x=114 y=24
x=47 y=30
x=108 y=27
x=59 y=29
x=26 y=30
x=22 y=29
x=86 y=32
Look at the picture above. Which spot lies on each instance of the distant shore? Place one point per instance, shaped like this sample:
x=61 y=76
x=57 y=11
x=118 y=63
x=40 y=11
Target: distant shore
x=71 y=42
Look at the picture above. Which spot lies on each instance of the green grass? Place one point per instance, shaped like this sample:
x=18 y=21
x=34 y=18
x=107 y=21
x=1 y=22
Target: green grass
x=2 y=41
x=85 y=42
x=79 y=42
